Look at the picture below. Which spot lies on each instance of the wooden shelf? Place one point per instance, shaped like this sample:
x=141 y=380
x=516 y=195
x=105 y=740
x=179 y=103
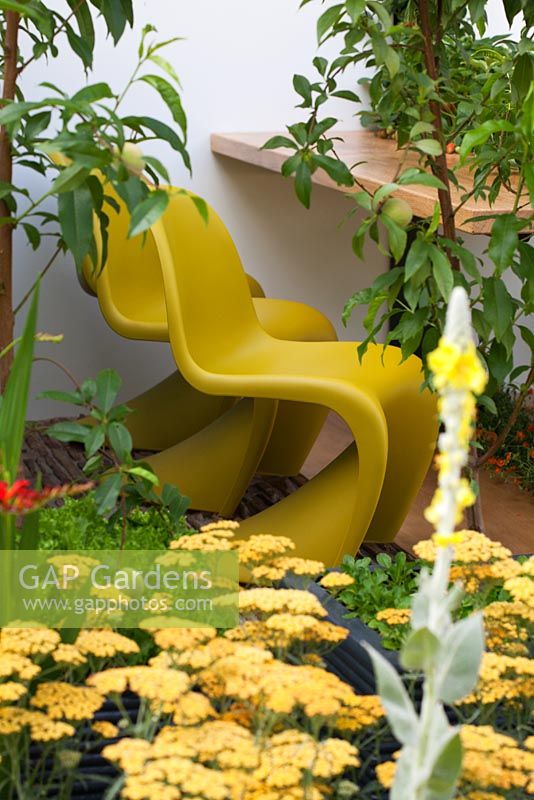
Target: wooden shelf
x=381 y=160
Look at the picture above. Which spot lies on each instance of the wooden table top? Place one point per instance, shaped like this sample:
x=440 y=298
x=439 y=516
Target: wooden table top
x=381 y=160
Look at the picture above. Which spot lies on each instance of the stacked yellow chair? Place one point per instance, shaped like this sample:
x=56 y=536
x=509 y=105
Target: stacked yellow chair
x=255 y=379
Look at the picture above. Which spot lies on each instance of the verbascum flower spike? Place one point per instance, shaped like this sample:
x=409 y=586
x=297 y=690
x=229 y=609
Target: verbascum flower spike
x=458 y=375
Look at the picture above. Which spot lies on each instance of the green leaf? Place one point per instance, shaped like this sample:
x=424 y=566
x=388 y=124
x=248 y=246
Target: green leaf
x=327 y=20
x=92 y=93
x=446 y=769
x=68 y=432
x=120 y=440
x=523 y=75
x=442 y=272
x=106 y=494
x=355 y=9
x=144 y=473
x=429 y=146
x=94 y=440
x=279 y=141
x=303 y=184
x=460 y=657
x=72 y=398
x=15 y=397
x=116 y=15
x=392 y=61
x=336 y=169
x=85 y=23
x=162 y=131
x=170 y=96
x=498 y=306
x=397 y=237
x=165 y=65
x=412 y=176
x=148 y=212
x=201 y=206
x=527 y=336
x=69 y=178
x=29 y=532
x=504 y=241
x=419 y=650
x=481 y=134
x=395 y=699
x=75 y=211
x=108 y=384
x=418 y=256
x=302 y=87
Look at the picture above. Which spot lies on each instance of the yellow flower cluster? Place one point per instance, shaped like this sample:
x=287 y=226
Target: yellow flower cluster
x=475 y=548
x=105 y=643
x=41 y=727
x=28 y=641
x=107 y=730
x=11 y=691
x=503 y=679
x=288 y=631
x=491 y=761
x=69 y=655
x=222 y=761
x=152 y=683
x=263 y=601
x=12 y=664
x=182 y=638
x=507 y=627
x=62 y=700
x=334 y=581
x=395 y=616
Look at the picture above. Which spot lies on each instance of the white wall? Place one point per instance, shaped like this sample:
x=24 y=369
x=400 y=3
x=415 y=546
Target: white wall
x=236 y=67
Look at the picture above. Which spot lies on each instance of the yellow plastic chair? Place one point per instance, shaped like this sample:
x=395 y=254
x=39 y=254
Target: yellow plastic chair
x=221 y=349
x=131 y=297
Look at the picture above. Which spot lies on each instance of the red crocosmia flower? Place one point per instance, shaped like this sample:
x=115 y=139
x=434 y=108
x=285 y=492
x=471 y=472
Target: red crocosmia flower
x=20 y=498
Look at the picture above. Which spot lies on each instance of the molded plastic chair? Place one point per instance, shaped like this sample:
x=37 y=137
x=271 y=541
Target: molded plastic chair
x=131 y=296
x=221 y=349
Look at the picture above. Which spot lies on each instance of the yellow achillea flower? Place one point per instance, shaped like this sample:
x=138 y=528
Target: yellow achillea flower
x=64 y=701
x=201 y=657
x=475 y=548
x=395 y=616
x=210 y=538
x=224 y=760
x=491 y=761
x=270 y=601
x=192 y=708
x=286 y=631
x=13 y=664
x=182 y=638
x=336 y=580
x=107 y=730
x=503 y=678
x=68 y=654
x=105 y=643
x=521 y=588
x=11 y=691
x=29 y=641
x=303 y=567
x=224 y=527
x=161 y=685
x=263 y=547
x=369 y=711
x=41 y=727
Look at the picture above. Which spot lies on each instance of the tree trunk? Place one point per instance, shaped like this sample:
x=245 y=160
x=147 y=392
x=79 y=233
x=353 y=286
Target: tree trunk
x=7 y=318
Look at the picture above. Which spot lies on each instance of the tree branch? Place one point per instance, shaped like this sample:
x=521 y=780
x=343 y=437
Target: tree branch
x=439 y=163
x=6 y=175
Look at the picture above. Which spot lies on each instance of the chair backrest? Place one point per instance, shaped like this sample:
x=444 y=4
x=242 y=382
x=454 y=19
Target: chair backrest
x=209 y=306
x=130 y=287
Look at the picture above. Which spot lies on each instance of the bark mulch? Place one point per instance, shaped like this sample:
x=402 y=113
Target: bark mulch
x=58 y=463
